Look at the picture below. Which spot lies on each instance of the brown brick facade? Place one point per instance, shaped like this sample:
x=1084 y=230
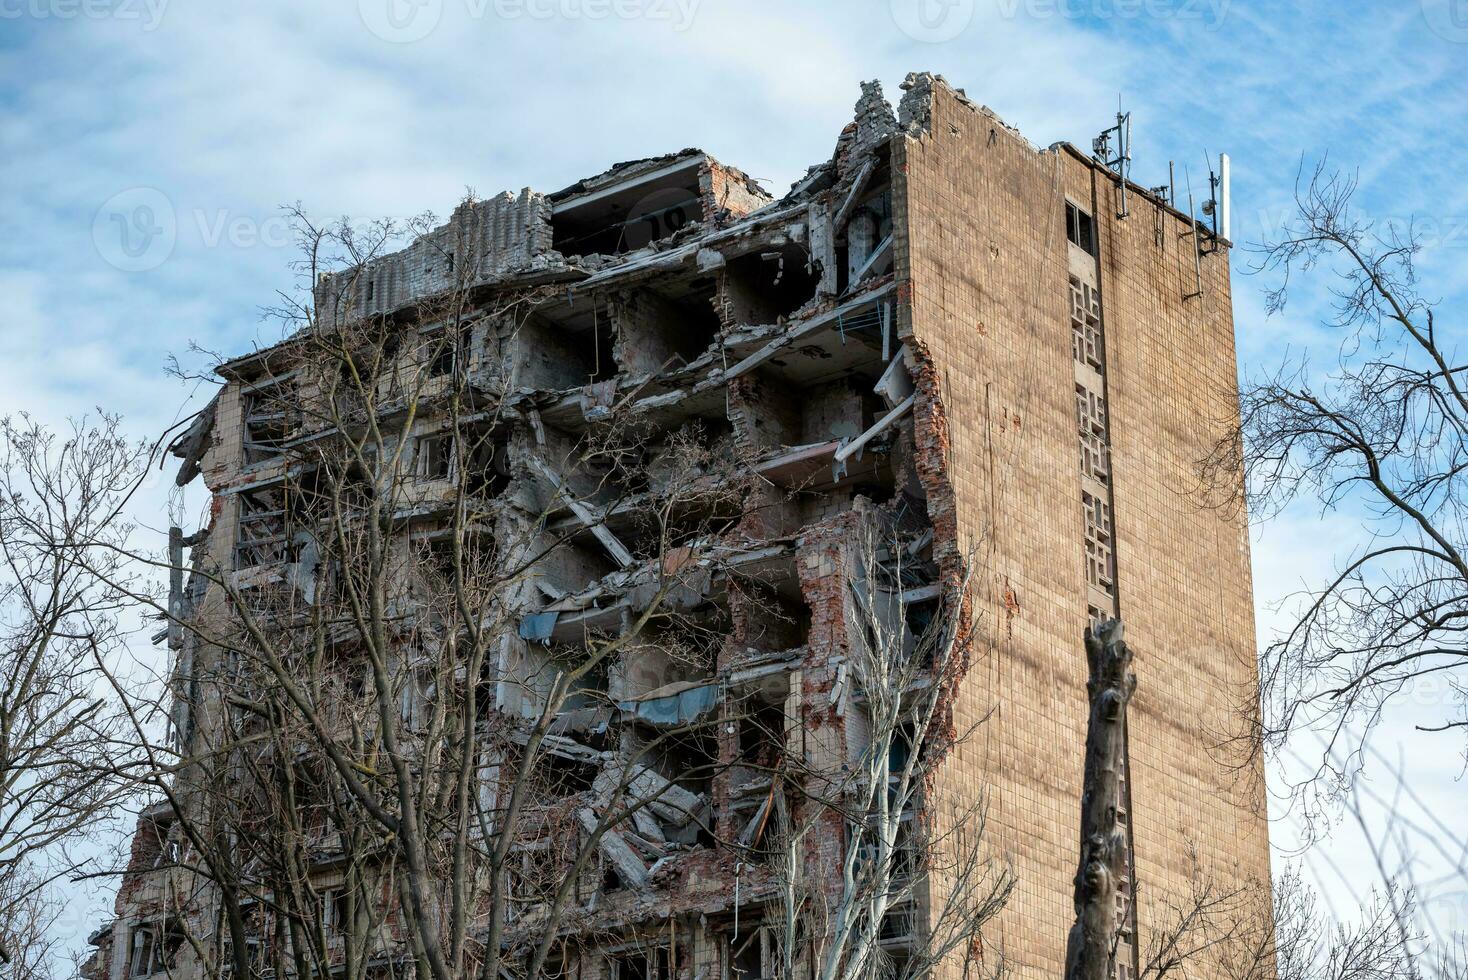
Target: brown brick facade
x=989 y=279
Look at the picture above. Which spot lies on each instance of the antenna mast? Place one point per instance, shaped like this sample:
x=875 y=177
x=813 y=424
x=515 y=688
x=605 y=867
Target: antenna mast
x=1217 y=206
x=1120 y=162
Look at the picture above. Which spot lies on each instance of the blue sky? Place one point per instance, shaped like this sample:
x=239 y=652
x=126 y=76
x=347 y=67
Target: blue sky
x=213 y=116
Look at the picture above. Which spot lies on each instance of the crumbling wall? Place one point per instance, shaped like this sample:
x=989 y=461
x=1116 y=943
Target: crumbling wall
x=482 y=241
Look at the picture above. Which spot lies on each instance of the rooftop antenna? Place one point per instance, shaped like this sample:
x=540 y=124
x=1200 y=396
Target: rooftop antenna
x=1119 y=162
x=1197 y=252
x=1217 y=206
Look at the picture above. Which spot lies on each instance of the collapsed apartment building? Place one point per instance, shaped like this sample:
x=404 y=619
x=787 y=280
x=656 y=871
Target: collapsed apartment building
x=941 y=330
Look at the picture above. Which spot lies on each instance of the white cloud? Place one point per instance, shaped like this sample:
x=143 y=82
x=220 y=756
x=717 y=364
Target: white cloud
x=233 y=111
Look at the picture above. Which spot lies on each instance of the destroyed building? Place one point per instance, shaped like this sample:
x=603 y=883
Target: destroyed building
x=720 y=441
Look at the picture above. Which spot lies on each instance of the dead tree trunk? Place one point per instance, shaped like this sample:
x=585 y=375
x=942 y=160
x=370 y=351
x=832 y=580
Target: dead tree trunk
x=1092 y=944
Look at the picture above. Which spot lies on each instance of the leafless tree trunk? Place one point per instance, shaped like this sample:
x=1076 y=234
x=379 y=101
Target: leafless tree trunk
x=919 y=881
x=1091 y=948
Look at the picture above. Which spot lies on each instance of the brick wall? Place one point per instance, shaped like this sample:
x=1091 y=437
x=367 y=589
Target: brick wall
x=986 y=261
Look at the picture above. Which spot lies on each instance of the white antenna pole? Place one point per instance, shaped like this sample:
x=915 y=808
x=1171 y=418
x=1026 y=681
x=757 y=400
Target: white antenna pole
x=1223 y=199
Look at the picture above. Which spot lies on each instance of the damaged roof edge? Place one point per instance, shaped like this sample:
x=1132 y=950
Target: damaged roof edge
x=630 y=173
x=617 y=173
x=915 y=116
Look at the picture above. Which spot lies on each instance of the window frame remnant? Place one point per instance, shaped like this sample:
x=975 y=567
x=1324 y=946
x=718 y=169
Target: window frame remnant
x=1080 y=228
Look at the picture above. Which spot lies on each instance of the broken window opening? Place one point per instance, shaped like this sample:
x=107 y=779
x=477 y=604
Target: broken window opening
x=435 y=456
x=563 y=777
x=762 y=733
x=899 y=929
x=598 y=354
x=752 y=954
x=449 y=349
x=270 y=415
x=168 y=847
x=768 y=286
x=648 y=963
x=659 y=330
x=900 y=747
x=1080 y=228
x=415 y=699
x=527 y=874
x=254 y=957
x=434 y=555
x=922 y=633
x=905 y=857
x=332 y=910
x=266 y=527
x=868 y=225
x=155 y=948
x=488 y=473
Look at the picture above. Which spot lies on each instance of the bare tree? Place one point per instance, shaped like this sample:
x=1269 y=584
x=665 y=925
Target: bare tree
x=1380 y=431
x=918 y=881
x=59 y=777
x=376 y=737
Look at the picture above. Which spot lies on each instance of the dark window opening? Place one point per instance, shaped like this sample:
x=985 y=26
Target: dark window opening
x=615 y=219
x=451 y=351
x=333 y=910
x=564 y=777
x=266 y=534
x=899 y=927
x=1080 y=228
x=920 y=617
x=746 y=956
x=869 y=224
x=767 y=287
x=155 y=948
x=762 y=733
x=643 y=964
x=663 y=329
x=435 y=459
